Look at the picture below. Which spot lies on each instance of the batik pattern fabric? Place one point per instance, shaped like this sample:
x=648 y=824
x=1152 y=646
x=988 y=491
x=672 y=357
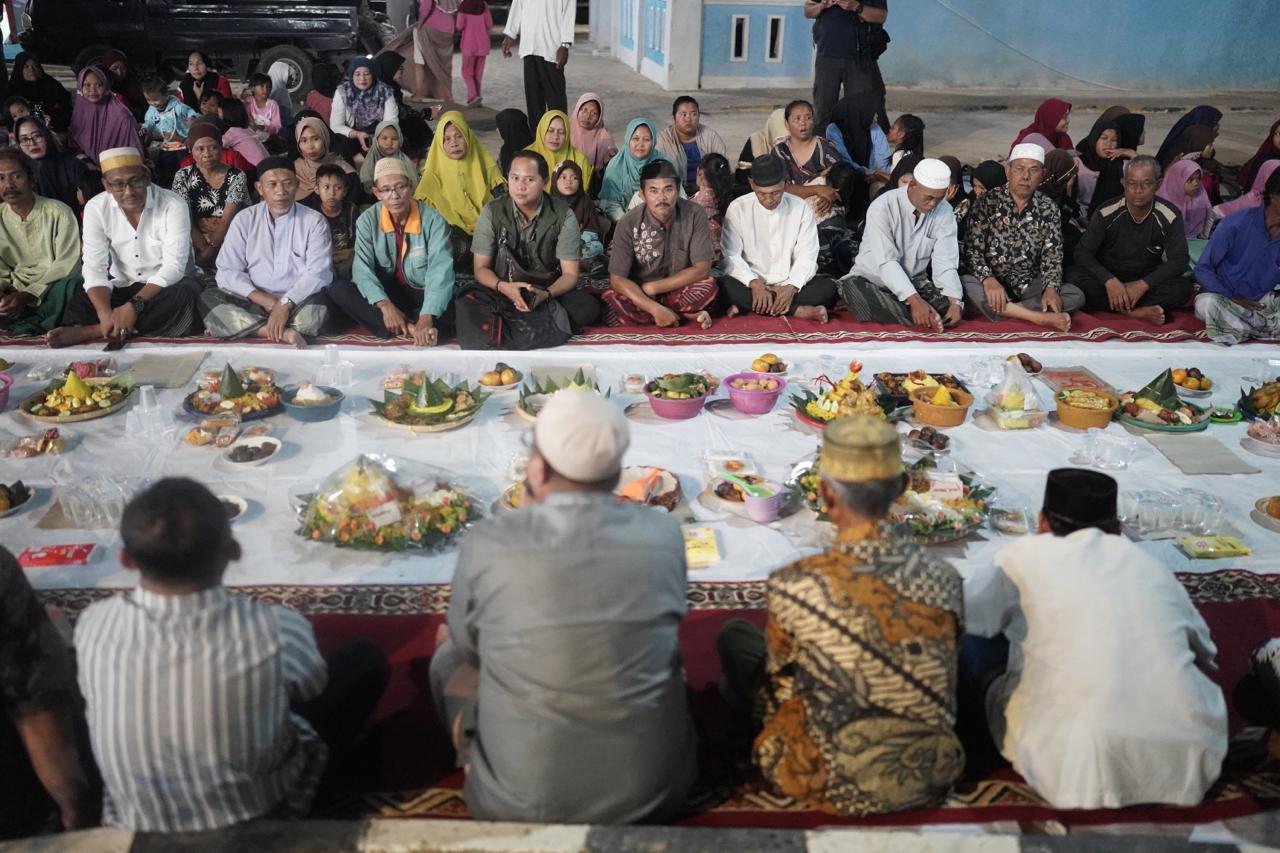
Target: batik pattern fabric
x=1016 y=248
x=1227 y=322
x=870 y=303
x=861 y=677
x=206 y=202
x=690 y=299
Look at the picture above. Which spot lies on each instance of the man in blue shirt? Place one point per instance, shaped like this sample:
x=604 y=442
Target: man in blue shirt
x=1239 y=273
x=849 y=39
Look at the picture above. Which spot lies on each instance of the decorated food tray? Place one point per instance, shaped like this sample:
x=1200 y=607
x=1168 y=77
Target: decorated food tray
x=649 y=487
x=1262 y=402
x=251 y=393
x=899 y=386
x=535 y=392
x=380 y=503
x=849 y=396
x=432 y=406
x=72 y=399
x=1158 y=407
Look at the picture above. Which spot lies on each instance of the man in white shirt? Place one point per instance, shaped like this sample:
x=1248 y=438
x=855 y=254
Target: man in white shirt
x=545 y=31
x=770 y=246
x=137 y=260
x=907 y=271
x=274 y=267
x=1104 y=701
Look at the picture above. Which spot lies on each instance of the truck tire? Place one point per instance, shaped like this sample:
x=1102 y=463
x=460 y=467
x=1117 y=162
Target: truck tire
x=299 y=67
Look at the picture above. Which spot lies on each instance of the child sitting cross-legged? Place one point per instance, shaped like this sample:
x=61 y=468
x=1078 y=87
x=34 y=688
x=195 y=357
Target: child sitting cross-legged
x=206 y=709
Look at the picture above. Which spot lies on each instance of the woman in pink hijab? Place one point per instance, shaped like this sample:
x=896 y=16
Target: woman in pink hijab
x=1183 y=187
x=1253 y=198
x=99 y=120
x=589 y=135
x=1052 y=119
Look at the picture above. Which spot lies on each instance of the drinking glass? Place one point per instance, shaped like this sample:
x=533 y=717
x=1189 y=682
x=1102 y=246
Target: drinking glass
x=1127 y=507
x=1114 y=453
x=1148 y=515
x=1168 y=514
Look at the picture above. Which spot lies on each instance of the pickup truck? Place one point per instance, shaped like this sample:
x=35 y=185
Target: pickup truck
x=240 y=36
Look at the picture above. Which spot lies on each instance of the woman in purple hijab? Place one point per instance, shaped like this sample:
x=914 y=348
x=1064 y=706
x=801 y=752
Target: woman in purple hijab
x=100 y=121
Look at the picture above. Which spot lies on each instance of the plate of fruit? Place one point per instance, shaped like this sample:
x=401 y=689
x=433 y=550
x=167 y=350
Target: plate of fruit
x=678 y=396
x=503 y=377
x=1267 y=512
x=769 y=363
x=1192 y=383
x=251 y=393
x=849 y=396
x=71 y=399
x=430 y=406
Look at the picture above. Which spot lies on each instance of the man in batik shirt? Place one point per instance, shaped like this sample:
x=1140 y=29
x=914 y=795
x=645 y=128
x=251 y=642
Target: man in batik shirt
x=858 y=657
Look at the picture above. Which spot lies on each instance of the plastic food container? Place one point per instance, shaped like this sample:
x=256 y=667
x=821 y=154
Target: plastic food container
x=676 y=410
x=940 y=416
x=1014 y=418
x=754 y=402
x=1078 y=418
x=764 y=510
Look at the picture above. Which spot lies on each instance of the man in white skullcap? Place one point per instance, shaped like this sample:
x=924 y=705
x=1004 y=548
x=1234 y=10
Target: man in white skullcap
x=137 y=260
x=559 y=674
x=1013 y=249
x=274 y=267
x=907 y=271
x=402 y=276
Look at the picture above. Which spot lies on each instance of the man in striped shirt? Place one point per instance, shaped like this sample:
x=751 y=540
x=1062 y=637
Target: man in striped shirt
x=193 y=693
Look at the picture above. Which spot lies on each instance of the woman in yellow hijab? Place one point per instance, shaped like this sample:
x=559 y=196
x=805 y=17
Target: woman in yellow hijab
x=460 y=175
x=551 y=140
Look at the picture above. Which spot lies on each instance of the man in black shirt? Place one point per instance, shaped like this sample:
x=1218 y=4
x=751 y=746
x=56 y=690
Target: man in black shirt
x=1133 y=257
x=849 y=40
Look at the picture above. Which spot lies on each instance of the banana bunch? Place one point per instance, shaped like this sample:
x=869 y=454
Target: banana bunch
x=1264 y=401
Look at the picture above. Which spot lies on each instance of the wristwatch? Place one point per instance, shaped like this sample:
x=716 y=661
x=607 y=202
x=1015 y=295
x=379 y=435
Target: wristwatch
x=285 y=301
x=139 y=305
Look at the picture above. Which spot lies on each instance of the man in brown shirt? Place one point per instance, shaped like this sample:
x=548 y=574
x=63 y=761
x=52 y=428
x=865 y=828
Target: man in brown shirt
x=660 y=264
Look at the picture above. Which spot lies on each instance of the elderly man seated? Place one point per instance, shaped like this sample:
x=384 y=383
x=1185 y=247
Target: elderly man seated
x=1133 y=257
x=39 y=251
x=687 y=140
x=906 y=271
x=770 y=246
x=857 y=665
x=137 y=260
x=660 y=264
x=274 y=266
x=402 y=274
x=1096 y=683
x=1239 y=273
x=571 y=711
x=1013 y=249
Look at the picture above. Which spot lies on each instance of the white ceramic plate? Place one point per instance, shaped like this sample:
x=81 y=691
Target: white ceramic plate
x=1192 y=395
x=1260 y=516
x=258 y=441
x=240 y=504
x=20 y=507
x=1261 y=448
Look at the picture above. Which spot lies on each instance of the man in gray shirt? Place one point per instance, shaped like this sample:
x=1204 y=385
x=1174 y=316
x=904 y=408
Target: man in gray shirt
x=560 y=677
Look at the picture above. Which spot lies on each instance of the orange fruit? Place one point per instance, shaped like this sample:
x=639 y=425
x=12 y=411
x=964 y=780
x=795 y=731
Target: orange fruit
x=1273 y=507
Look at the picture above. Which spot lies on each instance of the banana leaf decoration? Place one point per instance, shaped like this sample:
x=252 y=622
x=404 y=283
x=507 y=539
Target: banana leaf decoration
x=229 y=384
x=1161 y=391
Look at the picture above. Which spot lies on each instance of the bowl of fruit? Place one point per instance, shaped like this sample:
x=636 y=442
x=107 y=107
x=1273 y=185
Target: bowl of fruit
x=769 y=363
x=503 y=377
x=678 y=396
x=754 y=393
x=941 y=406
x=1192 y=383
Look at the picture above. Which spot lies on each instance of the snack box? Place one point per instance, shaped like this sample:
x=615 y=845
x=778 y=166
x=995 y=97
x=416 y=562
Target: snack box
x=56 y=555
x=1212 y=547
x=701 y=548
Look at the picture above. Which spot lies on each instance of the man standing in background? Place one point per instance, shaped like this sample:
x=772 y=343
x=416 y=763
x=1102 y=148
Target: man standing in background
x=850 y=37
x=545 y=31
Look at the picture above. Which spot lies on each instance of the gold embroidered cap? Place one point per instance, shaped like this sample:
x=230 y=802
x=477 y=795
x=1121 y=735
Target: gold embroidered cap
x=119 y=158
x=860 y=447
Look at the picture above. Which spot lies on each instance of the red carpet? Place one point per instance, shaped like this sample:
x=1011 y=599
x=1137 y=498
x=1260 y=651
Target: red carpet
x=752 y=329
x=405 y=765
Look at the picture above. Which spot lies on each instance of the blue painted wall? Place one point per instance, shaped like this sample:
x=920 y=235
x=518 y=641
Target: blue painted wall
x=1219 y=44
x=717 y=31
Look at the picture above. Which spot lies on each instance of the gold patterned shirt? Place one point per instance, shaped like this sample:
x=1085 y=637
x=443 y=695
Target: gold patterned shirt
x=861 y=677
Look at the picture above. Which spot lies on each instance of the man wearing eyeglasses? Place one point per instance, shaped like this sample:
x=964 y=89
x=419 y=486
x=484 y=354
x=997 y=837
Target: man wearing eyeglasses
x=1133 y=257
x=274 y=267
x=402 y=274
x=137 y=260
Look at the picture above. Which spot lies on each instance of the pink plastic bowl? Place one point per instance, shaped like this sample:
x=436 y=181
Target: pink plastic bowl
x=754 y=402
x=676 y=410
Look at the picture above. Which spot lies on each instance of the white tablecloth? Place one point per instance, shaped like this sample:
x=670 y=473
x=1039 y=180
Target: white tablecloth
x=480 y=453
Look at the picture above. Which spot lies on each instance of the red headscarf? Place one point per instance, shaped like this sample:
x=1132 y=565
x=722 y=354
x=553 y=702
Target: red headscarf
x=1046 y=121
x=1266 y=151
